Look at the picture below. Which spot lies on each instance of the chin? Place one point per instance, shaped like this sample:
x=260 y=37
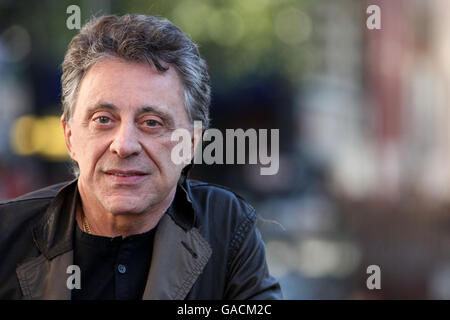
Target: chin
x=121 y=206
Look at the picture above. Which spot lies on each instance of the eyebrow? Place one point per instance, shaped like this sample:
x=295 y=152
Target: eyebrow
x=102 y=105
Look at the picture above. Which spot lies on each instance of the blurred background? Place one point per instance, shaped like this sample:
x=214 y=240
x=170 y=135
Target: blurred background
x=364 y=174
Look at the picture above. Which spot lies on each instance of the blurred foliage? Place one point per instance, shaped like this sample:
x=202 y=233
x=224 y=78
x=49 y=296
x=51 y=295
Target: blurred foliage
x=242 y=38
x=237 y=38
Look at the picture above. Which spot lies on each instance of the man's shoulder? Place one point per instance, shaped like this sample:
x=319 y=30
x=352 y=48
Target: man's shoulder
x=219 y=198
x=21 y=212
x=43 y=195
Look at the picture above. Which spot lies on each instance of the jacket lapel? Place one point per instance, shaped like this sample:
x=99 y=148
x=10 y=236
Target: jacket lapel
x=178 y=258
x=45 y=277
x=41 y=278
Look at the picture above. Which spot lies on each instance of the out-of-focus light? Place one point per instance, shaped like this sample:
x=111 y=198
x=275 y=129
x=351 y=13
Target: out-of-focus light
x=317 y=258
x=320 y=258
x=225 y=27
x=355 y=170
x=187 y=15
x=253 y=5
x=20 y=136
x=44 y=136
x=314 y=258
x=18 y=43
x=281 y=258
x=293 y=26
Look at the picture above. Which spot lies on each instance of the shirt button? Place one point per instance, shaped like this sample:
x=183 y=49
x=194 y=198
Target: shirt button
x=121 y=268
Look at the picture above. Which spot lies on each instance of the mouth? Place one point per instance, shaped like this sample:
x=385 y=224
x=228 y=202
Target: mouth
x=127 y=173
x=126 y=176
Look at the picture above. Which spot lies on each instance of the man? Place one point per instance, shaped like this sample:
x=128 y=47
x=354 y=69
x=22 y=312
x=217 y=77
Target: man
x=131 y=225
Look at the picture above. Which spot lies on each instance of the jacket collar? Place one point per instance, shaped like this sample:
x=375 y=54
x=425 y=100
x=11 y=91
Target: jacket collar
x=53 y=233
x=179 y=254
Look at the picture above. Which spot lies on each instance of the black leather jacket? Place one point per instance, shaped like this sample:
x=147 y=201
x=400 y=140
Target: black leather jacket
x=206 y=246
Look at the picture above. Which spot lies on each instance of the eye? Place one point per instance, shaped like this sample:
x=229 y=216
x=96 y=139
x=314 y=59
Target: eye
x=152 y=123
x=102 y=120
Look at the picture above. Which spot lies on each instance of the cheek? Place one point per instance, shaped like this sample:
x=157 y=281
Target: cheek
x=161 y=153
x=88 y=152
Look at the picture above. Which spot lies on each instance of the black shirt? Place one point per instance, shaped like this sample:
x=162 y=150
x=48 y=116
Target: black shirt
x=112 y=268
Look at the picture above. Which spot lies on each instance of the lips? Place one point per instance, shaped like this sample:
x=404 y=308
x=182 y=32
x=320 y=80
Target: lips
x=126 y=177
x=127 y=173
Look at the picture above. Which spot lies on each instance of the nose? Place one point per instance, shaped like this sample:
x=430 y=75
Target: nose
x=126 y=142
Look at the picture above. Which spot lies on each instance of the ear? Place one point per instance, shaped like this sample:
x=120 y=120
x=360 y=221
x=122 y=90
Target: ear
x=67 y=136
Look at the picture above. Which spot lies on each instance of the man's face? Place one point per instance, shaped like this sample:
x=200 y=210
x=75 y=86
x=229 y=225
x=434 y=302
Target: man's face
x=119 y=135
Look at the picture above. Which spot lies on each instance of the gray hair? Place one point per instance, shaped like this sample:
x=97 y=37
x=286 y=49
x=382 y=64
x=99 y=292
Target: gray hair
x=138 y=38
